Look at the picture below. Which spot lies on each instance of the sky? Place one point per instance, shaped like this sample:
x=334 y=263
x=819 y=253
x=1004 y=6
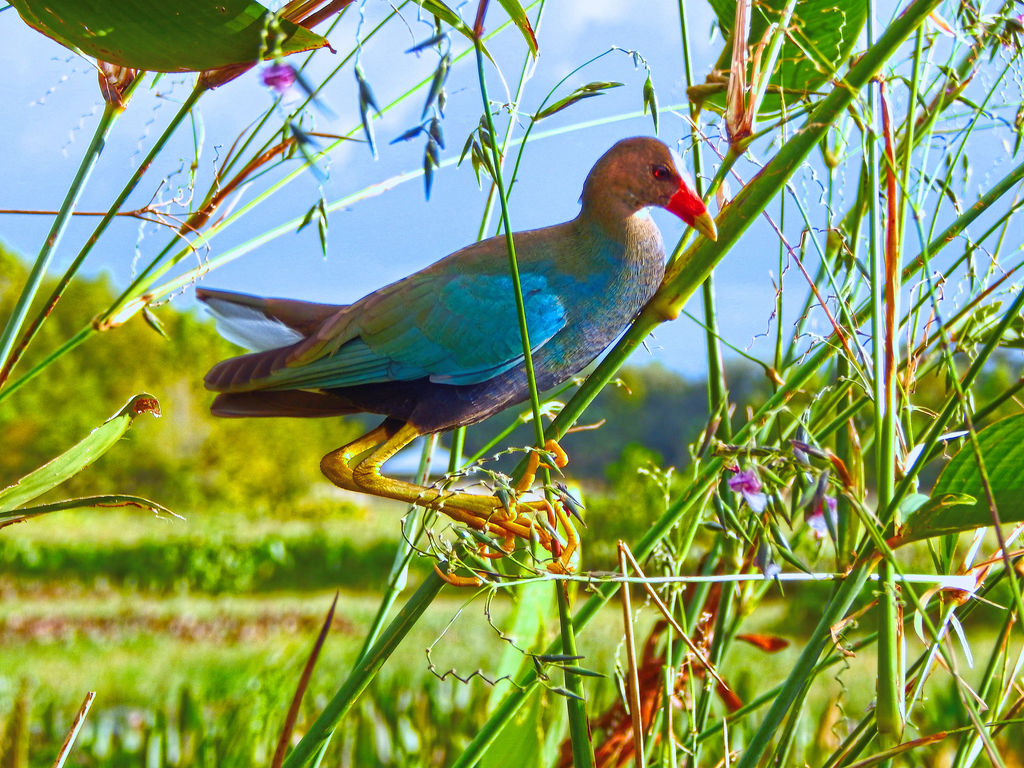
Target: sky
x=52 y=96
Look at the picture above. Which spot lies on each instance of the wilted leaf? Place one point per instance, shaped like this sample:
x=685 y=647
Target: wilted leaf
x=518 y=15
x=767 y=643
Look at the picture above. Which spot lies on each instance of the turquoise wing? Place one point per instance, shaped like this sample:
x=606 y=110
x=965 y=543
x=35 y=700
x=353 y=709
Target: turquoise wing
x=460 y=329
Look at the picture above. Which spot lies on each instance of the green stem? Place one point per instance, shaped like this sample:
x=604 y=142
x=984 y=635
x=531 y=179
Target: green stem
x=690 y=270
x=960 y=399
x=86 y=249
x=400 y=567
x=717 y=388
x=367 y=667
x=684 y=276
x=42 y=263
x=834 y=610
x=889 y=701
x=583 y=752
x=683 y=509
x=510 y=245
x=579 y=726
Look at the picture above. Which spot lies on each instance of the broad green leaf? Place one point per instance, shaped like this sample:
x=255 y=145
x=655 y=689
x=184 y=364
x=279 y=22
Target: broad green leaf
x=183 y=36
x=821 y=35
x=75 y=459
x=959 y=502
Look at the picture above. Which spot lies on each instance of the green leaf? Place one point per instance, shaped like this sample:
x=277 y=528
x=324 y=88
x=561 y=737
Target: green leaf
x=651 y=101
x=821 y=35
x=183 y=36
x=366 y=102
x=518 y=15
x=583 y=92
x=85 y=502
x=959 y=502
x=582 y=671
x=75 y=459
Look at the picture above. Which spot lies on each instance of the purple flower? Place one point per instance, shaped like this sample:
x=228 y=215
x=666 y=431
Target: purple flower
x=278 y=77
x=816 y=517
x=747 y=484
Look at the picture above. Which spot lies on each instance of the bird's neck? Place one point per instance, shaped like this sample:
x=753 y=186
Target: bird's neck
x=612 y=215
x=624 y=227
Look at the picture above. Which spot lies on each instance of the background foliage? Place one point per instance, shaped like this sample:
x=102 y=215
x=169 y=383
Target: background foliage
x=810 y=595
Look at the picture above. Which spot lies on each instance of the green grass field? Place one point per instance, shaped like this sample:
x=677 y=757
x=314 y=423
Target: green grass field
x=184 y=666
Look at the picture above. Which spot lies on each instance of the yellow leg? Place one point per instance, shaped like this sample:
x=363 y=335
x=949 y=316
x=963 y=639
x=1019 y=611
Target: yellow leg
x=347 y=470
x=357 y=467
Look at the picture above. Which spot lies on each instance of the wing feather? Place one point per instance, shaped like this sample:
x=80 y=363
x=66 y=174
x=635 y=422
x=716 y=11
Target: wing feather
x=449 y=323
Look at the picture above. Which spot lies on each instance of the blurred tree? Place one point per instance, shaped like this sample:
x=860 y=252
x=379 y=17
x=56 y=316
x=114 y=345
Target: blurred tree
x=187 y=459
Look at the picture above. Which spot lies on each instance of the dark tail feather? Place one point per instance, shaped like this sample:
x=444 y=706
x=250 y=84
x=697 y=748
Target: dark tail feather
x=238 y=373
x=291 y=403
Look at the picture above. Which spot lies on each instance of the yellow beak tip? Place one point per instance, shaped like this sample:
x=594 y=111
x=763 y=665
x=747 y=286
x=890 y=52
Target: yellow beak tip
x=705 y=224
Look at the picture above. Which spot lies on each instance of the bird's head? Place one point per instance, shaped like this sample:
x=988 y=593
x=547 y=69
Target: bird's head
x=640 y=172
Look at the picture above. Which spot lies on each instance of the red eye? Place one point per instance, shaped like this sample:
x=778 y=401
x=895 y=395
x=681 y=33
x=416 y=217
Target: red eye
x=661 y=173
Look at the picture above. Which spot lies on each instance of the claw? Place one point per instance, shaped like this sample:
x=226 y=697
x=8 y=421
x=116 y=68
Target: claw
x=558 y=456
x=562 y=563
x=459 y=581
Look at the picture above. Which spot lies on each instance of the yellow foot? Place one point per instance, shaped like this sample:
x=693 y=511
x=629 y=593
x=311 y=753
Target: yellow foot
x=558 y=456
x=459 y=581
x=356 y=467
x=563 y=554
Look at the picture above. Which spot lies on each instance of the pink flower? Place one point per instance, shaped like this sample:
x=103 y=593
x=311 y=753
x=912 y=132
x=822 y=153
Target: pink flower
x=747 y=484
x=816 y=517
x=278 y=77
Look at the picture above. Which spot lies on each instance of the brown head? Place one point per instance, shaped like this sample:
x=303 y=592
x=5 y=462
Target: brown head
x=636 y=173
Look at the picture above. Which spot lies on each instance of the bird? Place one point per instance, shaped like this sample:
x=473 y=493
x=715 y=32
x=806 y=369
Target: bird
x=442 y=347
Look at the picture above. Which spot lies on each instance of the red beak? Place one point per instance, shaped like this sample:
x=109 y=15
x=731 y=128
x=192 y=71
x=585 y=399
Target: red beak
x=690 y=208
